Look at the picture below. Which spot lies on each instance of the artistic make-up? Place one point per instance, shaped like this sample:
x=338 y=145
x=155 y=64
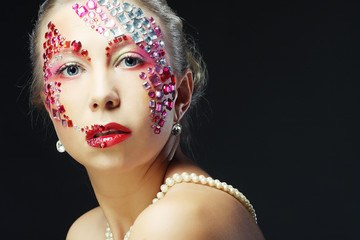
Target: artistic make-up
x=118 y=23
x=112 y=20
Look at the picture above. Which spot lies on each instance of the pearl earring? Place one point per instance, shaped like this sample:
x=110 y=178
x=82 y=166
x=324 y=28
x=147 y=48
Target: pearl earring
x=60 y=147
x=176 y=129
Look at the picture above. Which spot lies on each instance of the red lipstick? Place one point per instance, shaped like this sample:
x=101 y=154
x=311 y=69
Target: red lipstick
x=106 y=136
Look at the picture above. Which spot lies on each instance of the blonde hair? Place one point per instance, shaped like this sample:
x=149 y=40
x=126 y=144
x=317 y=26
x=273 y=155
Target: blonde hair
x=182 y=52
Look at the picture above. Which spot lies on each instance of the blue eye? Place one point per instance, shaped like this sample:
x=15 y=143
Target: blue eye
x=69 y=70
x=131 y=61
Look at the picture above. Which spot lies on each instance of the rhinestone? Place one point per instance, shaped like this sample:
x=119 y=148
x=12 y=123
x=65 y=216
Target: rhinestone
x=152 y=34
x=150 y=70
x=148 y=40
x=84 y=52
x=103 y=16
x=151 y=103
x=142 y=75
x=109 y=6
x=142 y=31
x=162 y=43
x=100 y=30
x=152 y=20
x=151 y=93
x=159 y=94
x=75 y=6
x=155 y=55
x=91 y=15
x=122 y=18
x=82 y=11
x=137 y=23
x=63 y=122
x=146 y=85
x=127 y=7
x=170 y=104
x=56 y=114
x=130 y=28
x=136 y=37
x=167 y=73
x=116 y=2
x=155 y=80
x=159 y=106
x=139 y=13
x=109 y=23
x=116 y=31
x=61 y=109
x=158 y=69
x=131 y=15
x=164 y=113
x=91 y=4
x=161 y=122
x=102 y=2
x=166 y=89
x=70 y=123
x=147 y=49
x=157 y=31
x=76 y=45
x=157 y=131
x=163 y=62
x=113 y=12
x=146 y=23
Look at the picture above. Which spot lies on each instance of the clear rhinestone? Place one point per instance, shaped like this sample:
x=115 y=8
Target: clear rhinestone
x=102 y=2
x=123 y=18
x=136 y=37
x=148 y=40
x=130 y=28
x=152 y=34
x=137 y=23
x=146 y=23
x=138 y=13
x=127 y=7
x=117 y=31
x=116 y=2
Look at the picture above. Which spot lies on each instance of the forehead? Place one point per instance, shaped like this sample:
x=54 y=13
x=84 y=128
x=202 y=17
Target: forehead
x=98 y=22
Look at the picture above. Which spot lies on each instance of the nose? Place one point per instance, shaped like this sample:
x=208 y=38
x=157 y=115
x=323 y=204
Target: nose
x=104 y=98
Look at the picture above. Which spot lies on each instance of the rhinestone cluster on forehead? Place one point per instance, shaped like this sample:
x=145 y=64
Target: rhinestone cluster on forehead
x=112 y=19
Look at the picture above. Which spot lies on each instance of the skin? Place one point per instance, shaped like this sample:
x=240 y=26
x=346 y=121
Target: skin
x=127 y=176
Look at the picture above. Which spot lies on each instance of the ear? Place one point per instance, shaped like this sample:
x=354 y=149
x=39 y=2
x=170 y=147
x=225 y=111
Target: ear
x=184 y=89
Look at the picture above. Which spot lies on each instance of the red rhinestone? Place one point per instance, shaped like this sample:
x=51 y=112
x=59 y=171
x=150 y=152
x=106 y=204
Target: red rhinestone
x=167 y=73
x=76 y=45
x=84 y=52
x=173 y=79
x=67 y=44
x=103 y=145
x=61 y=109
x=70 y=123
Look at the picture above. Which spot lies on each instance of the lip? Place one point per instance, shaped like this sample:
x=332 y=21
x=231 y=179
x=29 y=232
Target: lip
x=114 y=133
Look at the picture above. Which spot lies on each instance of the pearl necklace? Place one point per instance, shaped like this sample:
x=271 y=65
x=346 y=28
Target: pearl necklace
x=193 y=178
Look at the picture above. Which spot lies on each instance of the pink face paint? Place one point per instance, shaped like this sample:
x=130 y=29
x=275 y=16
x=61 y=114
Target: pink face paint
x=112 y=20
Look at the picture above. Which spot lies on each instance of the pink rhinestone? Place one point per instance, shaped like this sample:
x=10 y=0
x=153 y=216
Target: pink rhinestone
x=159 y=107
x=157 y=131
x=170 y=104
x=166 y=89
x=156 y=45
x=151 y=93
x=164 y=113
x=82 y=11
x=161 y=122
x=157 y=31
x=167 y=73
x=100 y=30
x=91 y=4
x=150 y=70
x=151 y=104
x=152 y=20
x=158 y=69
x=155 y=80
x=142 y=75
x=75 y=6
x=159 y=94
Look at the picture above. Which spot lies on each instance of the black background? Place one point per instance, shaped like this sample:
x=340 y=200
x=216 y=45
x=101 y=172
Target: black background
x=282 y=125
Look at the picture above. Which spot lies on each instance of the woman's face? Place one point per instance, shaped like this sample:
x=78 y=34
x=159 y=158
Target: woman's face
x=108 y=85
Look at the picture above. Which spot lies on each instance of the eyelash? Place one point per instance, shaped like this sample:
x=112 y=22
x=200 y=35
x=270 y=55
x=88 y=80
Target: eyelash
x=66 y=66
x=140 y=60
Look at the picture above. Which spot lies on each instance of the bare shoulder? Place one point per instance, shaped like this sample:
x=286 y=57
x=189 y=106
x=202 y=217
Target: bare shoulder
x=80 y=228
x=192 y=211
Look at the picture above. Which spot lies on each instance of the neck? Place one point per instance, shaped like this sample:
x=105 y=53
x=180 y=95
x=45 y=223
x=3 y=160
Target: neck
x=124 y=195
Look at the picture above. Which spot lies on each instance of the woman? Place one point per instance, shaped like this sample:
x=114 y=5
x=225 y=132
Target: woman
x=116 y=79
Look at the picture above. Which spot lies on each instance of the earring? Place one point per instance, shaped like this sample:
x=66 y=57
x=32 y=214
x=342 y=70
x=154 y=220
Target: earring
x=176 y=129
x=60 y=147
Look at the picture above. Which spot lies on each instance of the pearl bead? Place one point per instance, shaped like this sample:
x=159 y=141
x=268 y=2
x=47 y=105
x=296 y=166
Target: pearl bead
x=164 y=188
